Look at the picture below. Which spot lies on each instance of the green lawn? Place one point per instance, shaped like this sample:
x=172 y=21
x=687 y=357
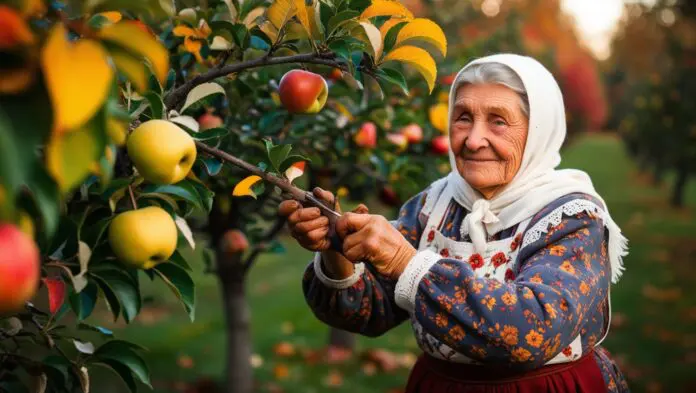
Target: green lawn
x=654 y=336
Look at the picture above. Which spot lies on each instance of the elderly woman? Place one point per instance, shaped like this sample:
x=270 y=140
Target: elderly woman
x=502 y=268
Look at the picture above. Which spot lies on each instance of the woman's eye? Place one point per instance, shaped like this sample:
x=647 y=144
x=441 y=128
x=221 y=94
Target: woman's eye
x=465 y=117
x=499 y=122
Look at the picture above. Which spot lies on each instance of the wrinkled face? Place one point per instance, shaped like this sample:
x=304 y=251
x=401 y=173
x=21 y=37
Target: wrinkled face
x=488 y=132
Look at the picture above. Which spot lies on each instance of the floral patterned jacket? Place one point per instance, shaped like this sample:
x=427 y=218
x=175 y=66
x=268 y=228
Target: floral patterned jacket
x=558 y=290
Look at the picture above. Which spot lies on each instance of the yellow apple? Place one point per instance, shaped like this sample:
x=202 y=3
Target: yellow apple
x=20 y=268
x=143 y=238
x=162 y=151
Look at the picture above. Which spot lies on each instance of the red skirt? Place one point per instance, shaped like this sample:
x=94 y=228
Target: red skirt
x=431 y=375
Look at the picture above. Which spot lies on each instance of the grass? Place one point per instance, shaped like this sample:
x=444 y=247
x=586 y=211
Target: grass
x=653 y=337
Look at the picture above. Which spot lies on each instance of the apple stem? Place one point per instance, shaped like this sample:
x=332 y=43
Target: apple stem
x=132 y=197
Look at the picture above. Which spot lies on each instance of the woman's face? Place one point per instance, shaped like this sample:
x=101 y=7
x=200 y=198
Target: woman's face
x=488 y=132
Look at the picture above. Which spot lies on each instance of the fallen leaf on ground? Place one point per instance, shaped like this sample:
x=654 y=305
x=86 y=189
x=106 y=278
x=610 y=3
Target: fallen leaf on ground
x=334 y=379
x=256 y=360
x=385 y=360
x=287 y=327
x=284 y=349
x=369 y=368
x=618 y=320
x=335 y=354
x=281 y=371
x=662 y=295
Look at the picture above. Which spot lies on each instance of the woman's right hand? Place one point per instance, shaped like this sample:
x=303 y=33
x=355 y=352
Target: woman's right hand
x=307 y=225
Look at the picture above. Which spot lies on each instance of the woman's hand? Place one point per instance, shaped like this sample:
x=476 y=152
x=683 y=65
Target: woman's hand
x=373 y=238
x=310 y=228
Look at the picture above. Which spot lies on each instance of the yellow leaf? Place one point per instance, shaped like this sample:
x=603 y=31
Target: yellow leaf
x=116 y=130
x=280 y=12
x=70 y=156
x=132 y=67
x=250 y=20
x=243 y=188
x=78 y=77
x=183 y=31
x=386 y=8
x=268 y=29
x=386 y=26
x=132 y=38
x=305 y=13
x=193 y=46
x=373 y=38
x=418 y=58
x=220 y=43
x=112 y=16
x=437 y=114
x=13 y=81
x=33 y=8
x=426 y=30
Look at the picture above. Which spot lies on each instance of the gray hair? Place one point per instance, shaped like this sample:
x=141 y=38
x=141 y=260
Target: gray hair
x=496 y=73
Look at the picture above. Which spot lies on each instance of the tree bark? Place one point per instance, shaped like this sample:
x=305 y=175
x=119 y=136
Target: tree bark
x=680 y=186
x=238 y=371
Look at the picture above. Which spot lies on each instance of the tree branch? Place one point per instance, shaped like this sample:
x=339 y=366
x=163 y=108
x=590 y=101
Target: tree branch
x=177 y=96
x=261 y=245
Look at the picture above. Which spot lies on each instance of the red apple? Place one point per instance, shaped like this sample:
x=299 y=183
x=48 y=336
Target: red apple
x=209 y=120
x=367 y=135
x=234 y=242
x=413 y=132
x=303 y=91
x=389 y=197
x=336 y=74
x=19 y=268
x=400 y=140
x=440 y=145
x=448 y=79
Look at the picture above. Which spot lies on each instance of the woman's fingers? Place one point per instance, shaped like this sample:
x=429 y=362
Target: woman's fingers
x=288 y=207
x=310 y=225
x=304 y=214
x=354 y=252
x=351 y=222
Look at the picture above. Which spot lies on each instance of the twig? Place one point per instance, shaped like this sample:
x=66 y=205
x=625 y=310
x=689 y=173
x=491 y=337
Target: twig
x=132 y=197
x=177 y=96
x=283 y=184
x=261 y=245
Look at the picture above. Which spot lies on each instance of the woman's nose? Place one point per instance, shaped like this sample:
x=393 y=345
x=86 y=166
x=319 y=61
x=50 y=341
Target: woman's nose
x=477 y=137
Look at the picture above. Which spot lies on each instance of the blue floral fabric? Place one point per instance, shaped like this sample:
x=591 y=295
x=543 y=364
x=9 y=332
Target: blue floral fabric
x=558 y=290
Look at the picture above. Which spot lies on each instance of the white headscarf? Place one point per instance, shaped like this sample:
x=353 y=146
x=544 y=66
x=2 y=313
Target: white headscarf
x=538 y=182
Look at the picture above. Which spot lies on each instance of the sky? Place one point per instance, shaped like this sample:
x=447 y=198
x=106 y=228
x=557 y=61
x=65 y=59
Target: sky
x=596 y=21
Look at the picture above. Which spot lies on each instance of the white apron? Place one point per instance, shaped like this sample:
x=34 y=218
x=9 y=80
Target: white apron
x=498 y=262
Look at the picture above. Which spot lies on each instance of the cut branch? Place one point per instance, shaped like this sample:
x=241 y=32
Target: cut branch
x=177 y=96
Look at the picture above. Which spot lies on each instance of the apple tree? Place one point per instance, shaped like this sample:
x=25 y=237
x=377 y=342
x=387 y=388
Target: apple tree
x=127 y=125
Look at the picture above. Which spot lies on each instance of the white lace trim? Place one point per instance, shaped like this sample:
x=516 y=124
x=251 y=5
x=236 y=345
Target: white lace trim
x=433 y=195
x=407 y=285
x=359 y=269
x=617 y=242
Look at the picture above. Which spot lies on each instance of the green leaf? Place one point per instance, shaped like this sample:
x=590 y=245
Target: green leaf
x=394 y=77
x=179 y=281
x=123 y=287
x=57 y=368
x=248 y=6
x=123 y=353
x=179 y=260
x=337 y=20
x=277 y=154
x=156 y=105
x=291 y=160
x=206 y=196
x=122 y=371
x=101 y=330
x=213 y=166
x=83 y=303
x=269 y=122
x=259 y=40
x=183 y=189
x=276 y=248
x=240 y=34
x=200 y=92
x=210 y=133
x=326 y=12
x=341 y=48
x=390 y=38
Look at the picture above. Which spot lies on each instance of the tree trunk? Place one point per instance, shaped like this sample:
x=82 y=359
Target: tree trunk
x=341 y=338
x=238 y=369
x=680 y=186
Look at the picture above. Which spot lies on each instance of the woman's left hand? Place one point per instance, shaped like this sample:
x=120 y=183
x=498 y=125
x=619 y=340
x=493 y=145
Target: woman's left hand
x=372 y=238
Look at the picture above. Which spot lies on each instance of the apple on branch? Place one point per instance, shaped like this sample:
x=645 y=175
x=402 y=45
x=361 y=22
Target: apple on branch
x=209 y=120
x=367 y=135
x=162 y=152
x=19 y=268
x=143 y=238
x=413 y=132
x=440 y=145
x=303 y=91
x=400 y=140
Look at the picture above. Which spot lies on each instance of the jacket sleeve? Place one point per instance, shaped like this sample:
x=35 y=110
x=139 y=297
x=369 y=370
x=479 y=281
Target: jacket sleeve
x=363 y=303
x=525 y=321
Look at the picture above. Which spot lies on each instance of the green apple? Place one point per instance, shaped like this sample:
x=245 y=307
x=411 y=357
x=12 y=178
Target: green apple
x=162 y=152
x=144 y=237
